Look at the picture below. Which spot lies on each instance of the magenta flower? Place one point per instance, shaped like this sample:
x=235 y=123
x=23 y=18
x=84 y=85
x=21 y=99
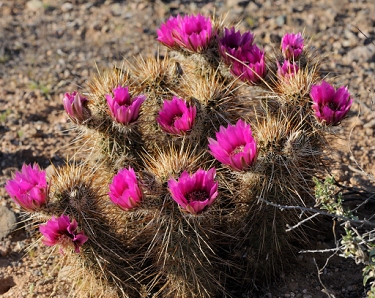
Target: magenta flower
x=176 y=116
x=124 y=189
x=244 y=58
x=194 y=192
x=63 y=232
x=252 y=66
x=292 y=45
x=287 y=70
x=330 y=106
x=192 y=33
x=122 y=107
x=235 y=146
x=74 y=106
x=28 y=188
x=165 y=33
x=234 y=44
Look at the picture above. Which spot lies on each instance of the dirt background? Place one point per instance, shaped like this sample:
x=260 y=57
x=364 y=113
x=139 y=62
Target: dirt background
x=49 y=47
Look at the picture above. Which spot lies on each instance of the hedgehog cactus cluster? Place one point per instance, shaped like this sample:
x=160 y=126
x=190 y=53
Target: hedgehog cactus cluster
x=181 y=154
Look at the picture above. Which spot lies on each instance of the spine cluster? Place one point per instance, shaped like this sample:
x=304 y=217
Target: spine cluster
x=182 y=155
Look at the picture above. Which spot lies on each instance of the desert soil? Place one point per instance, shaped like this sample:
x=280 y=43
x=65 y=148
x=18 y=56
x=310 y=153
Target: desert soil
x=49 y=47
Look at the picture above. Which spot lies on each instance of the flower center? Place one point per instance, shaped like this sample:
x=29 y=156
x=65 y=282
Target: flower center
x=198 y=195
x=232 y=44
x=196 y=29
x=124 y=104
x=175 y=118
x=237 y=150
x=294 y=47
x=65 y=240
x=333 y=106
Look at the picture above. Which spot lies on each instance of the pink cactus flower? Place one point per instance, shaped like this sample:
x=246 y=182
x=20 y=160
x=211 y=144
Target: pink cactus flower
x=124 y=190
x=196 y=192
x=234 y=44
x=330 y=105
x=192 y=33
x=176 y=117
x=292 y=45
x=63 y=232
x=28 y=188
x=122 y=107
x=74 y=106
x=165 y=33
x=244 y=58
x=235 y=146
x=287 y=70
x=252 y=66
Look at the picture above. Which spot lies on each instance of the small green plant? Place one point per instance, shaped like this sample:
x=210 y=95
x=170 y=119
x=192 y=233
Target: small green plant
x=43 y=88
x=31 y=289
x=328 y=200
x=4 y=58
x=20 y=133
x=4 y=115
x=31 y=253
x=355 y=243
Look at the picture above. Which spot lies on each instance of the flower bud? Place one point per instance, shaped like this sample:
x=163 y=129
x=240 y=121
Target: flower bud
x=29 y=188
x=124 y=189
x=74 y=105
x=122 y=107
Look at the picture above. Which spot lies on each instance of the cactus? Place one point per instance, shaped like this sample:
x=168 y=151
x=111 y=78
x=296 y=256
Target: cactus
x=180 y=153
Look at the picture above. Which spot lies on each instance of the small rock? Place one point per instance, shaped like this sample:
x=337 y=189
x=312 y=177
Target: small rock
x=233 y=3
x=347 y=43
x=67 y=7
x=115 y=9
x=87 y=6
x=337 y=45
x=280 y=20
x=34 y=5
x=50 y=171
x=66 y=73
x=356 y=180
x=4 y=250
x=7 y=221
x=193 y=6
x=361 y=54
x=85 y=73
x=370 y=124
x=351 y=38
x=105 y=29
x=252 y=6
x=369 y=132
x=322 y=26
